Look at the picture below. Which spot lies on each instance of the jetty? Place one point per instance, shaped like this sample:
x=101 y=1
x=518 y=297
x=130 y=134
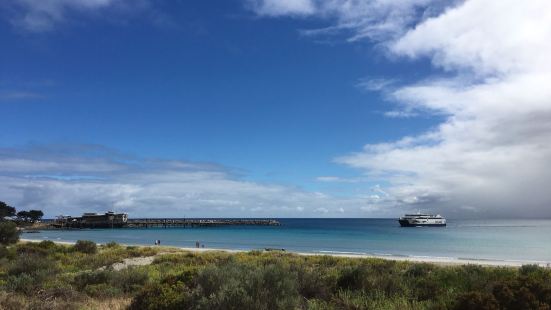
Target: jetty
x=165 y=223
x=120 y=220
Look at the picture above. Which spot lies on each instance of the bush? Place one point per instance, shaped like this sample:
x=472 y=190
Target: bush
x=102 y=290
x=428 y=288
x=22 y=283
x=129 y=280
x=85 y=246
x=8 y=233
x=229 y=286
x=419 y=270
x=112 y=244
x=31 y=249
x=239 y=286
x=351 y=278
x=84 y=279
x=47 y=244
x=32 y=265
x=162 y=297
x=312 y=283
x=477 y=301
x=4 y=252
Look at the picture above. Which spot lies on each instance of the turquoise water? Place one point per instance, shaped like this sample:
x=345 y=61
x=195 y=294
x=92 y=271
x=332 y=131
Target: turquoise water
x=526 y=240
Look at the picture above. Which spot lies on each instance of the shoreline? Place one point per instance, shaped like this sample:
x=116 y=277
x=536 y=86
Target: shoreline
x=442 y=261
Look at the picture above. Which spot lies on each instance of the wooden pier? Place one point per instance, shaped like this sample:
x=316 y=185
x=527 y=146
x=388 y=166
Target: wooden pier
x=167 y=223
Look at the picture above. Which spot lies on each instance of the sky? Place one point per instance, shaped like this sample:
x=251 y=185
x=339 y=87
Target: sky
x=276 y=108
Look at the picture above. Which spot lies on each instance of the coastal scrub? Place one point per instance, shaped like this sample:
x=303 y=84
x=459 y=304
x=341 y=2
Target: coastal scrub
x=51 y=276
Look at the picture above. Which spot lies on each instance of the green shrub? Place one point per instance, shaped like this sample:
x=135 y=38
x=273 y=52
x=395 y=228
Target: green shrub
x=112 y=244
x=85 y=246
x=4 y=252
x=477 y=301
x=239 y=286
x=129 y=280
x=8 y=233
x=158 y=296
x=22 y=283
x=526 y=270
x=84 y=279
x=32 y=265
x=351 y=278
x=427 y=288
x=102 y=290
x=186 y=277
x=229 y=286
x=31 y=249
x=504 y=295
x=313 y=283
x=48 y=245
x=419 y=270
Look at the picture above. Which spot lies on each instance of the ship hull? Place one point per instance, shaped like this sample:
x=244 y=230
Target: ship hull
x=405 y=223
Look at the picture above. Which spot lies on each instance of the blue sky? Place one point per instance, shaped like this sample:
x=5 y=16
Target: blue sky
x=225 y=87
x=301 y=96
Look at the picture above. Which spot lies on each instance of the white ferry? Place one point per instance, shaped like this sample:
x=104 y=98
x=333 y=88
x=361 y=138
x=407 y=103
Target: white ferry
x=415 y=220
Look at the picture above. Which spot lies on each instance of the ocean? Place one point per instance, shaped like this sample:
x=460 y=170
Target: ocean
x=509 y=240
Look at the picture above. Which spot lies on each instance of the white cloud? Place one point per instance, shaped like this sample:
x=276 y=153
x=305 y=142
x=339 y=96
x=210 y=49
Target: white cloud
x=61 y=180
x=372 y=19
x=491 y=154
x=376 y=84
x=321 y=210
x=336 y=179
x=282 y=7
x=485 y=37
x=17 y=95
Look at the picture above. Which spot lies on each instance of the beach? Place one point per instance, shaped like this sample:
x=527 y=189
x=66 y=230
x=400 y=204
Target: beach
x=441 y=261
x=46 y=274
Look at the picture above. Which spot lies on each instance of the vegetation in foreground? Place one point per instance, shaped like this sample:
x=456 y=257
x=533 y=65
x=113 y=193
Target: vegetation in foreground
x=51 y=276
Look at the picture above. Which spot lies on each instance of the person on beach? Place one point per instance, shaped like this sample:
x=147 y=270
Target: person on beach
x=197 y=244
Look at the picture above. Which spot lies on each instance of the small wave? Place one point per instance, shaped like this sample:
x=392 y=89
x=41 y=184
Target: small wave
x=433 y=257
x=343 y=252
x=506 y=260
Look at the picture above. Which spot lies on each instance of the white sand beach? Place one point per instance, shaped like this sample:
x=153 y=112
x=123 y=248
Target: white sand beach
x=443 y=261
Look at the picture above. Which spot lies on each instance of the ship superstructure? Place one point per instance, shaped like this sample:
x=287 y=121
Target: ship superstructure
x=416 y=220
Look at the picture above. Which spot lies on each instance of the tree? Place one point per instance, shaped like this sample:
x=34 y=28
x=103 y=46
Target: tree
x=24 y=215
x=8 y=233
x=6 y=210
x=35 y=215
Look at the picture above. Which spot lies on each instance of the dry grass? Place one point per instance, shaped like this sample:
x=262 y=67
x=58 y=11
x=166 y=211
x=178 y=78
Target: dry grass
x=109 y=304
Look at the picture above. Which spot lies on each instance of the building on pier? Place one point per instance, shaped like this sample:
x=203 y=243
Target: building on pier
x=93 y=220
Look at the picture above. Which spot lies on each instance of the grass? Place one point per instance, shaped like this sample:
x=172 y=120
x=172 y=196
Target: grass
x=51 y=276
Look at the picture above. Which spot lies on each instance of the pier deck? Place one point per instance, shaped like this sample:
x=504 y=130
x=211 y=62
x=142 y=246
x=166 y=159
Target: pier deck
x=165 y=223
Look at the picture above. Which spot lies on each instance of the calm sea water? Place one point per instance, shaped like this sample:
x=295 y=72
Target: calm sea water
x=528 y=240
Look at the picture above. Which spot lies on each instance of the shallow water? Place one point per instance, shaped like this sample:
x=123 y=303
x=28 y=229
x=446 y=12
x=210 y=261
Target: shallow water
x=523 y=240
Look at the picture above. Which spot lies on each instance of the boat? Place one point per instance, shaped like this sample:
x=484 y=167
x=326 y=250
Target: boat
x=420 y=220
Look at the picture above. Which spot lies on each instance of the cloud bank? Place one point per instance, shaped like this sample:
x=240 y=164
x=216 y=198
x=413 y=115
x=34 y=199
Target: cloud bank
x=492 y=154
x=74 y=179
